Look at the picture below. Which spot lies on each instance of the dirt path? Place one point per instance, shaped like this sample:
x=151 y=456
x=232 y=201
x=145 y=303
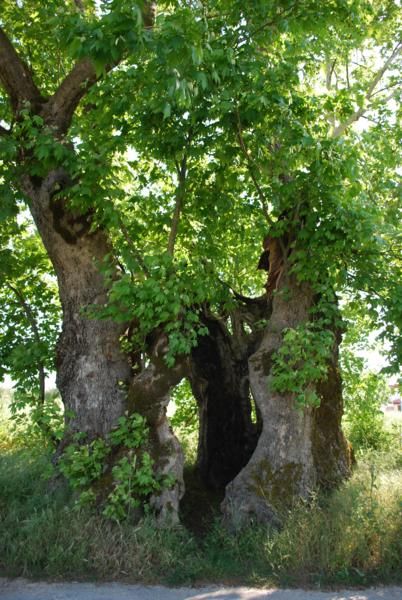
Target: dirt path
x=20 y=589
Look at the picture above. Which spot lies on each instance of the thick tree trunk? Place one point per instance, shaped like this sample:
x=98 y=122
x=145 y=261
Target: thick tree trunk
x=220 y=384
x=92 y=372
x=91 y=369
x=333 y=454
x=298 y=449
x=149 y=395
x=93 y=375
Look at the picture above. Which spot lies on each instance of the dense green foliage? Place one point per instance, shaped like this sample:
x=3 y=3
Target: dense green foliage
x=29 y=325
x=301 y=361
x=232 y=111
x=30 y=313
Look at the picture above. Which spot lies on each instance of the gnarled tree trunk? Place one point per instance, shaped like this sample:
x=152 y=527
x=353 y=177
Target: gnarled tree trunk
x=298 y=449
x=92 y=371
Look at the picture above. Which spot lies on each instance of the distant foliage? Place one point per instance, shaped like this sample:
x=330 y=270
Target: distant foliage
x=364 y=394
x=185 y=416
x=35 y=421
x=29 y=326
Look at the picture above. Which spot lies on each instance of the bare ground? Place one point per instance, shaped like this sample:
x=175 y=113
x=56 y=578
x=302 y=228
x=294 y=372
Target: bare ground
x=21 y=589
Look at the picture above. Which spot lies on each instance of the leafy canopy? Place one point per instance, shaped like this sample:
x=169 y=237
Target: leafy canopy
x=212 y=125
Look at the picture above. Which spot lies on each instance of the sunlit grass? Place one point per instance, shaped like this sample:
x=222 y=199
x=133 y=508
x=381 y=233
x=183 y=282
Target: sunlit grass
x=351 y=537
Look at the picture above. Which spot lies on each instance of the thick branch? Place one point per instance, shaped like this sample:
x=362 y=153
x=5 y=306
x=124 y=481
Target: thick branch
x=341 y=128
x=61 y=106
x=18 y=82
x=16 y=77
x=59 y=110
x=149 y=14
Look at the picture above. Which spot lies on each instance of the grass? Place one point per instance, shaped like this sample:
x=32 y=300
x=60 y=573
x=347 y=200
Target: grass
x=352 y=537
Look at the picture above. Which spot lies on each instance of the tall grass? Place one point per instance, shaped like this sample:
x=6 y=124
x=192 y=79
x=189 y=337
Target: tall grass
x=353 y=536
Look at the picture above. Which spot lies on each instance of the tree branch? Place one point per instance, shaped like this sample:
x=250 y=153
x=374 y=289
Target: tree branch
x=397 y=50
x=329 y=71
x=149 y=14
x=17 y=80
x=387 y=87
x=261 y=195
x=330 y=67
x=180 y=194
x=60 y=108
x=347 y=73
x=16 y=77
x=341 y=128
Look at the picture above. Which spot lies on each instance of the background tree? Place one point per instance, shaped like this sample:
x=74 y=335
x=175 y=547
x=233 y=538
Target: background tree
x=30 y=317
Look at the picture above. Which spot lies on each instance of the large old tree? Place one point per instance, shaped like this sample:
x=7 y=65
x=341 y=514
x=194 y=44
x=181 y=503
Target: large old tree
x=156 y=154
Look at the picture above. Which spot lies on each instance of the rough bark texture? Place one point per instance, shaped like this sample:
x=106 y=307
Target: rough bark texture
x=16 y=77
x=297 y=449
x=333 y=454
x=91 y=369
x=149 y=395
x=220 y=384
x=90 y=366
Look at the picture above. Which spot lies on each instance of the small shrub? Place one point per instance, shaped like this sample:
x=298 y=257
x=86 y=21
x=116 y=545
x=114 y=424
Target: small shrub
x=133 y=480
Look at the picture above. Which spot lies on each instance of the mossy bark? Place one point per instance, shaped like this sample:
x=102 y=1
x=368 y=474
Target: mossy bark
x=298 y=449
x=333 y=454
